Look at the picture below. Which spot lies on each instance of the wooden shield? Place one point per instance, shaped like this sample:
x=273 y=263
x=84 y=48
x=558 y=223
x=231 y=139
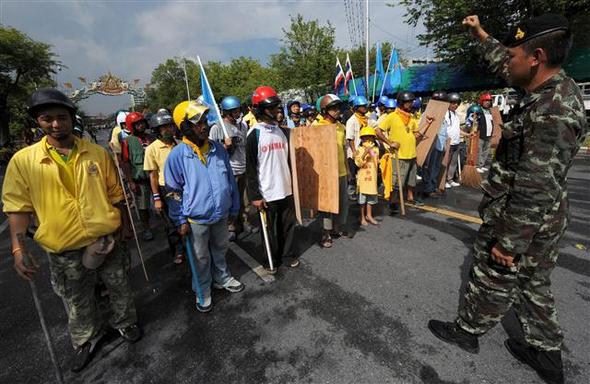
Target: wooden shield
x=498 y=125
x=435 y=109
x=316 y=165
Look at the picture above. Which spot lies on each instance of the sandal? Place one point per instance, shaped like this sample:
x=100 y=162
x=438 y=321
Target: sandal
x=178 y=259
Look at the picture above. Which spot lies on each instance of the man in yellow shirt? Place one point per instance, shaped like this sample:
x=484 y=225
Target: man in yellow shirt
x=399 y=130
x=72 y=188
x=335 y=225
x=156 y=154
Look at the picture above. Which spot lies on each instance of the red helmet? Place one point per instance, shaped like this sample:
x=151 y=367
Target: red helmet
x=485 y=97
x=265 y=96
x=131 y=119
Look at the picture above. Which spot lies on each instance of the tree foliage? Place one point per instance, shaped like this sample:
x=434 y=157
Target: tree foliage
x=442 y=20
x=25 y=65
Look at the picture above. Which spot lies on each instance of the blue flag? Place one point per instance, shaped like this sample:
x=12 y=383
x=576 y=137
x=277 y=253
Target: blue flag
x=208 y=98
x=396 y=78
x=379 y=72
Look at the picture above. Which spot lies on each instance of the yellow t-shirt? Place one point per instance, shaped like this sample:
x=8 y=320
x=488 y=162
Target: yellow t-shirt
x=114 y=142
x=155 y=157
x=66 y=167
x=340 y=141
x=402 y=133
x=366 y=176
x=66 y=222
x=250 y=119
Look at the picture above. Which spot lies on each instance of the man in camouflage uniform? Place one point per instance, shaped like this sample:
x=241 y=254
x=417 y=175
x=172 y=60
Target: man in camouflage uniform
x=525 y=205
x=72 y=188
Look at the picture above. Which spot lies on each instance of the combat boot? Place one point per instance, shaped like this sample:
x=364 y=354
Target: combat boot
x=453 y=334
x=547 y=364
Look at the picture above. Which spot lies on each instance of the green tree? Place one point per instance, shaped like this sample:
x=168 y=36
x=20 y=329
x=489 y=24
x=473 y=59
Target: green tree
x=25 y=65
x=167 y=86
x=442 y=20
x=306 y=59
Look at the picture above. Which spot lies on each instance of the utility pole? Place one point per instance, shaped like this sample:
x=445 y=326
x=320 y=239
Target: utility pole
x=367 y=47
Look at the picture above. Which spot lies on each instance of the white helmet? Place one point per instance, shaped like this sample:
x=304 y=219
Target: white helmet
x=121 y=117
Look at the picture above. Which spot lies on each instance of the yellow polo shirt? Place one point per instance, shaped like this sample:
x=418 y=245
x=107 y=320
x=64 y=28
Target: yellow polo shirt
x=393 y=124
x=114 y=142
x=340 y=141
x=155 y=157
x=67 y=221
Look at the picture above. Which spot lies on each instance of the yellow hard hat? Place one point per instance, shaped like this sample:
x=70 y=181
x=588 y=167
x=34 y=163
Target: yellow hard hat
x=189 y=110
x=367 y=131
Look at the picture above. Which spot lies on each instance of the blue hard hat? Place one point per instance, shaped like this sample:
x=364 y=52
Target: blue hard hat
x=391 y=103
x=382 y=100
x=230 y=102
x=475 y=108
x=359 y=101
x=417 y=103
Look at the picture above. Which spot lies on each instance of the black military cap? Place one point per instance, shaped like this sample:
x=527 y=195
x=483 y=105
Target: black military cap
x=535 y=27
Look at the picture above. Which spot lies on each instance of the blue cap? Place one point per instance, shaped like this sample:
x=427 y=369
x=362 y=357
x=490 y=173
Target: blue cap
x=359 y=101
x=230 y=102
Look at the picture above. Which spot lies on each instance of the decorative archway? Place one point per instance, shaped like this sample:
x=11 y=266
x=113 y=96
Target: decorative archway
x=108 y=85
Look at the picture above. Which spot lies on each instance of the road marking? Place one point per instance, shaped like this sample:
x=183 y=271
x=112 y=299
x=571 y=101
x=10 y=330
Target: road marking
x=449 y=213
x=251 y=263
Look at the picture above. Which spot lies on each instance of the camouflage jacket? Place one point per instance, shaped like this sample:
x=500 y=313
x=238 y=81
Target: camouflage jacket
x=539 y=140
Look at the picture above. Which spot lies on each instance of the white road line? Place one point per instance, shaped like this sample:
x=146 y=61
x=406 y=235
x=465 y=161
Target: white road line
x=251 y=263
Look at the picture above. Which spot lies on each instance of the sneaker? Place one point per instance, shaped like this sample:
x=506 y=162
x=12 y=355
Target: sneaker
x=148 y=235
x=485 y=169
x=479 y=170
x=418 y=177
x=232 y=285
x=292 y=262
x=393 y=209
x=207 y=305
x=455 y=184
x=84 y=353
x=271 y=271
x=131 y=334
x=547 y=364
x=416 y=202
x=447 y=186
x=453 y=334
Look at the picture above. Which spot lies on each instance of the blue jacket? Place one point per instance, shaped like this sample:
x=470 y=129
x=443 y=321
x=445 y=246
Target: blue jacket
x=203 y=193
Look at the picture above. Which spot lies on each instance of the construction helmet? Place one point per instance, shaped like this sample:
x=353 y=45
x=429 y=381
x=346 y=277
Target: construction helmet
x=132 y=119
x=390 y=104
x=485 y=97
x=230 y=102
x=439 y=95
x=382 y=100
x=475 y=108
x=454 y=97
x=189 y=111
x=163 y=117
x=329 y=101
x=265 y=97
x=291 y=103
x=405 y=96
x=49 y=96
x=360 y=101
x=121 y=117
x=367 y=131
x=417 y=104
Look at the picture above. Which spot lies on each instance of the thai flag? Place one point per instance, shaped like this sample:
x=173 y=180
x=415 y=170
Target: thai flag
x=348 y=75
x=339 y=78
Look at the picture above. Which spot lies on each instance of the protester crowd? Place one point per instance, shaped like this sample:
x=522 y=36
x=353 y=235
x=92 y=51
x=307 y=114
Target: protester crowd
x=205 y=181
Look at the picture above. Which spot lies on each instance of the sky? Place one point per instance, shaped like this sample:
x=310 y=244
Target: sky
x=130 y=38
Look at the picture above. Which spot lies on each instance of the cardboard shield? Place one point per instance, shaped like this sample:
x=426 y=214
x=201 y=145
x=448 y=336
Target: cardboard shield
x=435 y=109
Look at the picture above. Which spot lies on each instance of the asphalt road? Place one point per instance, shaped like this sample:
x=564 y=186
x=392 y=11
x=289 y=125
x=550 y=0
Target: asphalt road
x=355 y=313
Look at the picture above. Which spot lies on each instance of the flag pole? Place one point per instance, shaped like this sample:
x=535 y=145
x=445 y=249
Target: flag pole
x=386 y=72
x=367 y=45
x=188 y=92
x=351 y=74
x=214 y=103
x=374 y=85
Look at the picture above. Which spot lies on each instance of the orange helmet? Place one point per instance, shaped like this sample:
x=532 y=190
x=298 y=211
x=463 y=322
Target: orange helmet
x=131 y=119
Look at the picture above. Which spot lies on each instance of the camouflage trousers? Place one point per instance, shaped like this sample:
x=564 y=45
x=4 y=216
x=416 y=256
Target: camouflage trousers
x=75 y=284
x=490 y=293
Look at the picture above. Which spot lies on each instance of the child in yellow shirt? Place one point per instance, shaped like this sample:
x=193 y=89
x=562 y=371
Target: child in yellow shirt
x=366 y=158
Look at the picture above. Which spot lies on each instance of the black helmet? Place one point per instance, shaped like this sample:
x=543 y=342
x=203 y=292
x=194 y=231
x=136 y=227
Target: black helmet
x=454 y=97
x=49 y=96
x=291 y=103
x=163 y=117
x=405 y=96
x=440 y=96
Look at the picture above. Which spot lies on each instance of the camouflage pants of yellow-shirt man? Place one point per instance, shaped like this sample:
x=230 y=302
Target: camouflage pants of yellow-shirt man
x=491 y=293
x=76 y=285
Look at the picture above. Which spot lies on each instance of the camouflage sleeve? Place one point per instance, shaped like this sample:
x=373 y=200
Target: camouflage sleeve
x=539 y=180
x=496 y=56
